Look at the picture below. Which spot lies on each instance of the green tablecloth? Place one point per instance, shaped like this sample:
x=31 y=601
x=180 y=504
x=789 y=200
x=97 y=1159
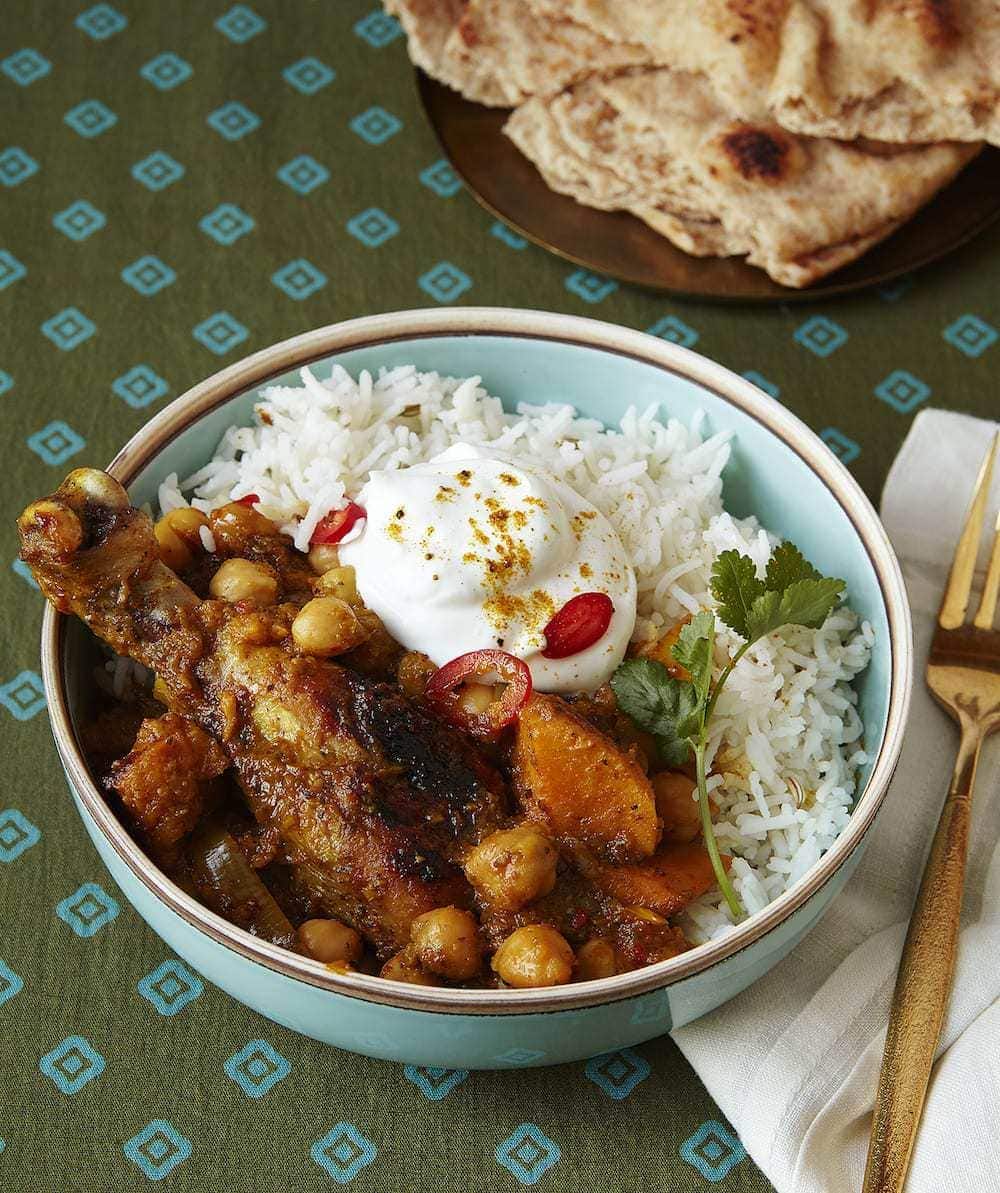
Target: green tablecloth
x=181 y=184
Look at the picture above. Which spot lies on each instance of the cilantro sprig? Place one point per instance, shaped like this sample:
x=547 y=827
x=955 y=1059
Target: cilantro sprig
x=677 y=711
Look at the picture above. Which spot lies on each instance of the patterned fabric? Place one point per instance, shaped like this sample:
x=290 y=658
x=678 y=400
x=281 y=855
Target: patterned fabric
x=181 y=184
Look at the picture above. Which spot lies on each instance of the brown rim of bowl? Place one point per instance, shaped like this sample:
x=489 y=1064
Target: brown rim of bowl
x=498 y=321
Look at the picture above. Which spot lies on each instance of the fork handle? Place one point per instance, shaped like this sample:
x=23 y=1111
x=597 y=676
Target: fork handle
x=923 y=983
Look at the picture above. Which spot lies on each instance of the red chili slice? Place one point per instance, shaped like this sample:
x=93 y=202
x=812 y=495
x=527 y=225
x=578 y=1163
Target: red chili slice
x=580 y=623
x=250 y=500
x=337 y=524
x=441 y=690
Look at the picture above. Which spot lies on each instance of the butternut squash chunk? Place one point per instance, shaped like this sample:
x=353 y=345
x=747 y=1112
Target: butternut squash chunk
x=572 y=778
x=671 y=879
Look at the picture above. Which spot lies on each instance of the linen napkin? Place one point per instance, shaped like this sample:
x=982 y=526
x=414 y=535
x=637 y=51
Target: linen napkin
x=794 y=1060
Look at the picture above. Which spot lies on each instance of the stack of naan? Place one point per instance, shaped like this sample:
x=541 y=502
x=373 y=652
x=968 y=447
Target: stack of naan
x=796 y=133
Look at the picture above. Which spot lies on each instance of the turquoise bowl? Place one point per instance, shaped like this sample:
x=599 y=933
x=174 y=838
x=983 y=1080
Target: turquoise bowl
x=780 y=471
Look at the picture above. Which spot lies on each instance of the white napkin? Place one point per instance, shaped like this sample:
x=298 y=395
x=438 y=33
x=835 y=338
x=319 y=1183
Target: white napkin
x=793 y=1061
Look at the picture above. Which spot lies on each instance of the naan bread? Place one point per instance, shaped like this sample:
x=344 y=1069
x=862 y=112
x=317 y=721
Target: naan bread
x=500 y=52
x=891 y=70
x=658 y=143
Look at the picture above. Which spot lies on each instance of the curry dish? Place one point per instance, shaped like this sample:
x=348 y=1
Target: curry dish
x=301 y=774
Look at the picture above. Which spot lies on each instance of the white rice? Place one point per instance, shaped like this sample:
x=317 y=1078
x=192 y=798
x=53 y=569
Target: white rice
x=786 y=737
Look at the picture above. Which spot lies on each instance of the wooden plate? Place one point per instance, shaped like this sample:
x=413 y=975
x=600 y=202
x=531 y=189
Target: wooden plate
x=623 y=247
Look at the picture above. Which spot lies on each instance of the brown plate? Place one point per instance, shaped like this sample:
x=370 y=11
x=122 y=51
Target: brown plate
x=623 y=247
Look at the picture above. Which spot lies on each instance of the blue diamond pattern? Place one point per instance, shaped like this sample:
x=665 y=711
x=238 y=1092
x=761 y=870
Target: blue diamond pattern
x=226 y=224
x=675 y=330
x=157 y=171
x=11 y=270
x=844 y=448
x=618 y=1073
x=653 y=1008
x=511 y=239
x=445 y=282
x=713 y=1150
x=343 y=1152
x=435 y=1084
x=170 y=987
x=87 y=910
x=91 y=118
x=257 y=1068
x=240 y=23
x=591 y=287
x=67 y=329
x=528 y=1153
x=233 y=121
x=17 y=834
x=971 y=335
x=894 y=291
x=10 y=983
x=26 y=66
x=378 y=28
x=56 y=442
x=220 y=332
x=902 y=391
x=298 y=279
x=16 y=166
x=149 y=275
x=372 y=227
x=518 y=1058
x=157 y=1149
x=821 y=335
x=6 y=382
x=140 y=386
x=376 y=125
x=22 y=569
x=303 y=174
x=80 y=220
x=101 y=21
x=23 y=696
x=308 y=75
x=762 y=382
x=72 y=1064
x=166 y=71
x=441 y=179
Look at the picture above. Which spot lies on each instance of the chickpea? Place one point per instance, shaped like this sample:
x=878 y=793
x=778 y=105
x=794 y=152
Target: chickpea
x=330 y=940
x=186 y=523
x=513 y=866
x=337 y=582
x=536 y=955
x=323 y=557
x=404 y=967
x=446 y=942
x=595 y=959
x=680 y=813
x=233 y=524
x=413 y=672
x=244 y=580
x=327 y=626
x=172 y=549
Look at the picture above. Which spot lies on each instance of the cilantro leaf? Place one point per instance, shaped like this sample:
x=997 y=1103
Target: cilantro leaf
x=693 y=651
x=667 y=708
x=805 y=603
x=787 y=566
x=735 y=586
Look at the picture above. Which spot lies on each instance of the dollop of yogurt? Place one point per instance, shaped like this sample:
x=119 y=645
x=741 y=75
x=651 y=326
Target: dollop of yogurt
x=474 y=550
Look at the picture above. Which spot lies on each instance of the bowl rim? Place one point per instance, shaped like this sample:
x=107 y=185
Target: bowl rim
x=371 y=331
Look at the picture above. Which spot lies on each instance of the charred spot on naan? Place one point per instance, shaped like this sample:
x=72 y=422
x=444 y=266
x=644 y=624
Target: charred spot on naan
x=936 y=20
x=760 y=155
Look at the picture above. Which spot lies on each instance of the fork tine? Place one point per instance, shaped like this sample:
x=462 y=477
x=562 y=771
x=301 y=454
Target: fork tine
x=956 y=595
x=991 y=589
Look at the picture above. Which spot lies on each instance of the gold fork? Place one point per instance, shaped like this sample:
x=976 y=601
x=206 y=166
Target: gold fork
x=963 y=674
